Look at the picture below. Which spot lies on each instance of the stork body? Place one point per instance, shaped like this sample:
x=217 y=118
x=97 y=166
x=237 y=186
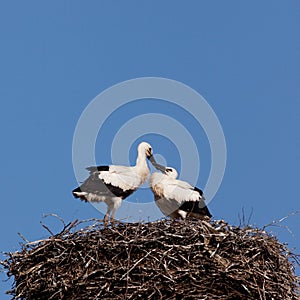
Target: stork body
x=111 y=184
x=176 y=198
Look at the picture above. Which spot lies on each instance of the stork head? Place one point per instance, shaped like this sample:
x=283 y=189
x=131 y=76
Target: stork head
x=146 y=149
x=171 y=172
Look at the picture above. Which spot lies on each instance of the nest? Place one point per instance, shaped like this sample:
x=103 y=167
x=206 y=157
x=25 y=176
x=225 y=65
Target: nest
x=160 y=260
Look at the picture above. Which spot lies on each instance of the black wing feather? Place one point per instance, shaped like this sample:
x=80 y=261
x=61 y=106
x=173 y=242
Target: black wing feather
x=97 y=168
x=95 y=185
x=197 y=207
x=199 y=191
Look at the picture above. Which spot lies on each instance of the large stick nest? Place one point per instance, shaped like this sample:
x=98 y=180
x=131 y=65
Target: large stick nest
x=160 y=260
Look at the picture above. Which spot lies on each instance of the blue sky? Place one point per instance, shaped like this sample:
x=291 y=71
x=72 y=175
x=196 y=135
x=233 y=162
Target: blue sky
x=242 y=57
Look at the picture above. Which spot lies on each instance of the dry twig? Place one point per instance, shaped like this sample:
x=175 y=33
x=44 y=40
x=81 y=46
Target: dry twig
x=160 y=260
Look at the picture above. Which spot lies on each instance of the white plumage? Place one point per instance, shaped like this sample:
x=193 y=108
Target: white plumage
x=177 y=198
x=111 y=184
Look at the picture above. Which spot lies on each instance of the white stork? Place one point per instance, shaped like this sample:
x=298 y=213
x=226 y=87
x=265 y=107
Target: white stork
x=111 y=184
x=176 y=198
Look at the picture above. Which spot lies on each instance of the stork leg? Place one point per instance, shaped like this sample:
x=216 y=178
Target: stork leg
x=112 y=217
x=116 y=204
x=105 y=219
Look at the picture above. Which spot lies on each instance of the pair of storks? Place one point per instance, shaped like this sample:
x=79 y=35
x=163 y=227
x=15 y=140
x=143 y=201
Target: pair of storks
x=111 y=184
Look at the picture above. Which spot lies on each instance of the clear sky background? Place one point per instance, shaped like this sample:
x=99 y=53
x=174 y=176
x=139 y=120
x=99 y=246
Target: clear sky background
x=56 y=56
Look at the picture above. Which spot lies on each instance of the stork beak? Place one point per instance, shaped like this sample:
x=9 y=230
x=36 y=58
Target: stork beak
x=156 y=165
x=149 y=153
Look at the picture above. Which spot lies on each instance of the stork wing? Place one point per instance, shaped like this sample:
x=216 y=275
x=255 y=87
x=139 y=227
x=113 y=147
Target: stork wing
x=93 y=184
x=119 y=176
x=181 y=193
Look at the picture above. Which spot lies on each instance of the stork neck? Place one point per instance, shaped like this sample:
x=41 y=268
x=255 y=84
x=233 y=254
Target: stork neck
x=142 y=167
x=141 y=161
